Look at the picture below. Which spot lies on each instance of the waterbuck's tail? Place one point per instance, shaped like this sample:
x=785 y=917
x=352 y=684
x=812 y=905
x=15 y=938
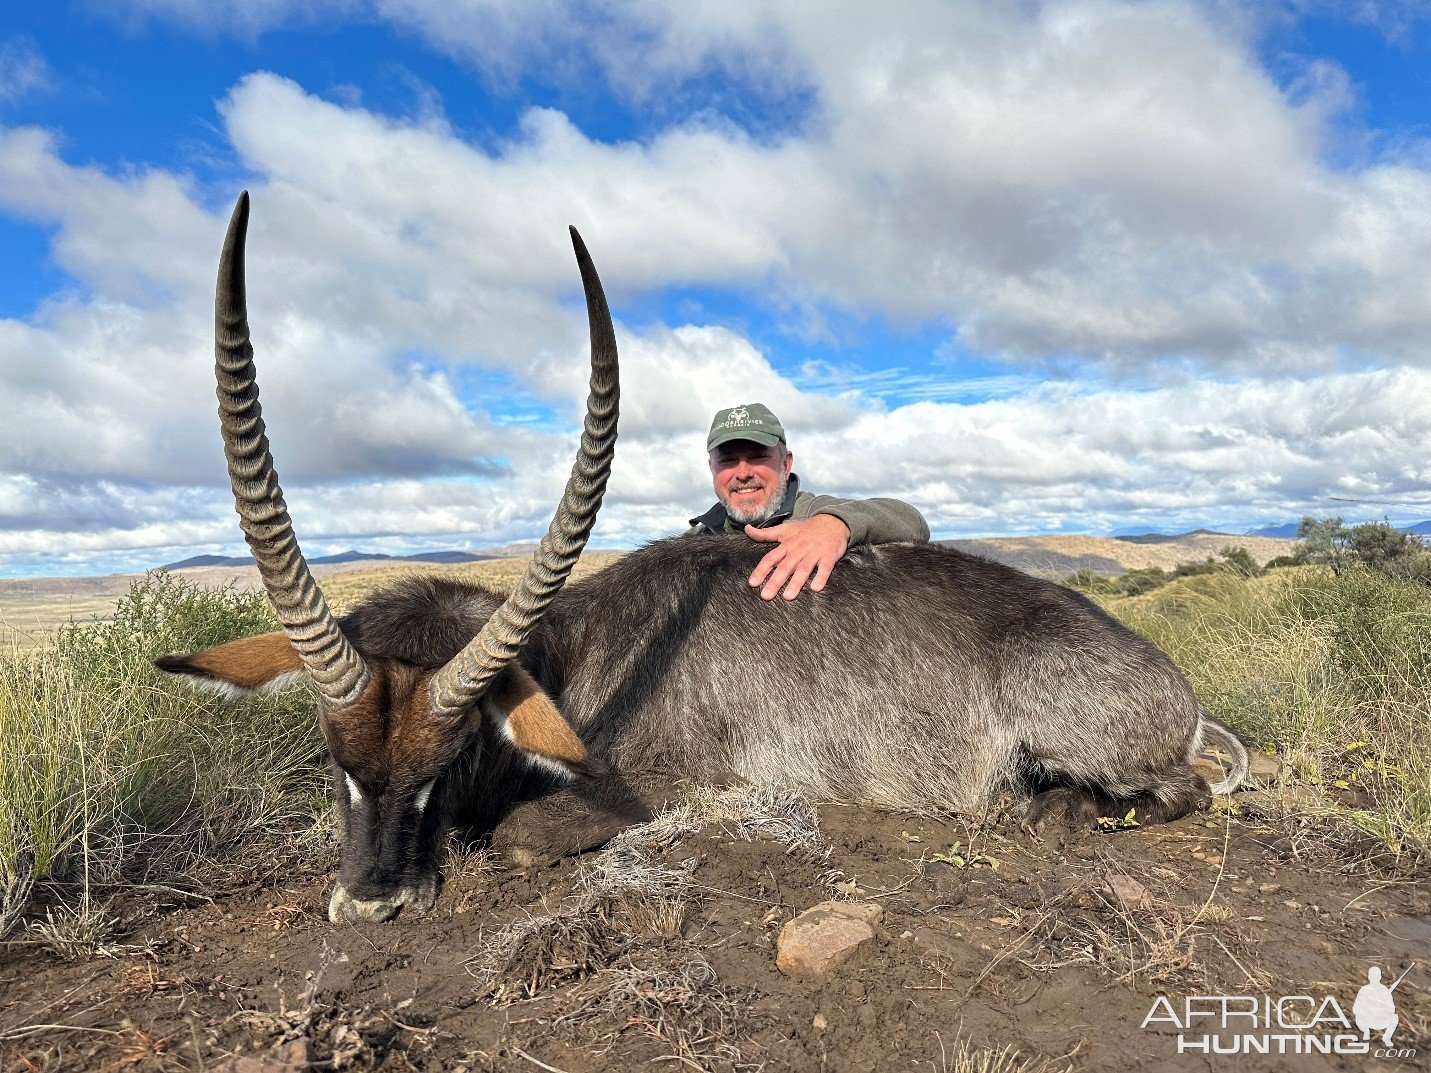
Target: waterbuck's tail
x=1210 y=730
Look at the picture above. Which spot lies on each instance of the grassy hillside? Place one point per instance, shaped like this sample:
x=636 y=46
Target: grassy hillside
x=1333 y=672
x=1058 y=556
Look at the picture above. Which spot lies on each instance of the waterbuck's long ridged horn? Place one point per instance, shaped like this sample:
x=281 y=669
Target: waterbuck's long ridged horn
x=336 y=667
x=468 y=673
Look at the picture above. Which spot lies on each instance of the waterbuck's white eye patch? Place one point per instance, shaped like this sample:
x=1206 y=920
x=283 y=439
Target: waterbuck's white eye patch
x=422 y=795
x=354 y=794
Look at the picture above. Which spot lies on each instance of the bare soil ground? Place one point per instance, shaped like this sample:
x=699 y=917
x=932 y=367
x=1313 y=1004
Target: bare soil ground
x=989 y=939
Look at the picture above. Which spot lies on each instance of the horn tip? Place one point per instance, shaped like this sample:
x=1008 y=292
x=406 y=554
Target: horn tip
x=240 y=213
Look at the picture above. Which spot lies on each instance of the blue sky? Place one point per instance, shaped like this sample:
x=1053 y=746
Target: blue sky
x=1074 y=267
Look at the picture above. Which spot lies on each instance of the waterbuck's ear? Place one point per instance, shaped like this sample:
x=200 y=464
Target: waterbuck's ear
x=253 y=664
x=529 y=719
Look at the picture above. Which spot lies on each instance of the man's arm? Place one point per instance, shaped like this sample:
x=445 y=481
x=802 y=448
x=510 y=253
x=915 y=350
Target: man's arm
x=821 y=530
x=870 y=521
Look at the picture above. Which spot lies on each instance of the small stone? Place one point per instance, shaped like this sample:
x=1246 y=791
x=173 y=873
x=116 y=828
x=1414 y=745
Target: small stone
x=1292 y=905
x=1209 y=770
x=1263 y=769
x=823 y=937
x=870 y=912
x=819 y=1024
x=1130 y=892
x=520 y=857
x=1269 y=888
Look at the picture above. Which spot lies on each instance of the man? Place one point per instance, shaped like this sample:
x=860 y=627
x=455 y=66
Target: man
x=759 y=495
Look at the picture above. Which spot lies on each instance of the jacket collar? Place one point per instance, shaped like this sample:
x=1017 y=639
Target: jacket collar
x=716 y=520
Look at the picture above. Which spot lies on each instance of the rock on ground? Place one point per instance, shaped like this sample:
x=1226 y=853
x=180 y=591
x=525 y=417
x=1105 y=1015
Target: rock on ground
x=823 y=937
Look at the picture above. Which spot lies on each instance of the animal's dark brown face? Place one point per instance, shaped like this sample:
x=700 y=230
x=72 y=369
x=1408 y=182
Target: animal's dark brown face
x=388 y=757
x=392 y=760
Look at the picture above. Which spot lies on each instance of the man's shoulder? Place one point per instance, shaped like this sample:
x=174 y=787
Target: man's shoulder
x=808 y=504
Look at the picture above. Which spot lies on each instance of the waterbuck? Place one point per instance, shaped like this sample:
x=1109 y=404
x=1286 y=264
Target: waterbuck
x=920 y=677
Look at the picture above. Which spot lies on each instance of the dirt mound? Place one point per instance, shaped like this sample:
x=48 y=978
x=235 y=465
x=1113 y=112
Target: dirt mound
x=660 y=951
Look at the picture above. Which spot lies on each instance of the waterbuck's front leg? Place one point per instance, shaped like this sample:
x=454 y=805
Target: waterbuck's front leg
x=581 y=817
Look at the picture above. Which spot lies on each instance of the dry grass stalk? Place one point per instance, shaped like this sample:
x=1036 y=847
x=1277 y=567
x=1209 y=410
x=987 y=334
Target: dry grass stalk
x=965 y=1056
x=1158 y=943
x=684 y=1007
x=626 y=897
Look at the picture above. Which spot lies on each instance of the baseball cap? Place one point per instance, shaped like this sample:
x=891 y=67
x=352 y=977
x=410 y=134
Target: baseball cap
x=753 y=422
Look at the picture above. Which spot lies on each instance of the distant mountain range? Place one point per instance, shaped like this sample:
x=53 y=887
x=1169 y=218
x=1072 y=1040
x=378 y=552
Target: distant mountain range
x=1033 y=553
x=1172 y=538
x=1289 y=530
x=342 y=557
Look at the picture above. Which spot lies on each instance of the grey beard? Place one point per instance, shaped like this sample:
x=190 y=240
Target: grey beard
x=763 y=514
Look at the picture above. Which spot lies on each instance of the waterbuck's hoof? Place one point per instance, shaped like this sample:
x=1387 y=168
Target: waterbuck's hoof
x=1061 y=816
x=520 y=856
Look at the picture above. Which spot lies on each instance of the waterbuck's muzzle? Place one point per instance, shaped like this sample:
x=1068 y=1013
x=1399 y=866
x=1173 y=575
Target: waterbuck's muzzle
x=343 y=908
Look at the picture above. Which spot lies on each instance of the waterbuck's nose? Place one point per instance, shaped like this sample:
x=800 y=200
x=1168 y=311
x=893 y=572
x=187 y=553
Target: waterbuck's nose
x=343 y=908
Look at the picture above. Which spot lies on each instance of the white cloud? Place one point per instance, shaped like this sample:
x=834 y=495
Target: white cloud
x=23 y=70
x=1117 y=186
x=1120 y=182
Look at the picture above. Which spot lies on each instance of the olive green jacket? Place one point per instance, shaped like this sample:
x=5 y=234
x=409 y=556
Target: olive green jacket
x=871 y=521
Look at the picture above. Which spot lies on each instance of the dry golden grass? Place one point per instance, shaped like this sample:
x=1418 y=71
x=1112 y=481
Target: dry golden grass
x=1059 y=556
x=1332 y=672
x=346 y=587
x=32 y=609
x=26 y=623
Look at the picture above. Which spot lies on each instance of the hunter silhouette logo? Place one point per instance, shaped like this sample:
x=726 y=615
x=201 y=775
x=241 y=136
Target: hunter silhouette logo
x=1285 y=1024
x=1374 y=1008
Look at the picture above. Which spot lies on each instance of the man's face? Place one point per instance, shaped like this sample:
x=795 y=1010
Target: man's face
x=750 y=479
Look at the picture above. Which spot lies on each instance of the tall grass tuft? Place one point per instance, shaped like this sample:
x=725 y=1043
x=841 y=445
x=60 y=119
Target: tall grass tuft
x=1331 y=671
x=111 y=771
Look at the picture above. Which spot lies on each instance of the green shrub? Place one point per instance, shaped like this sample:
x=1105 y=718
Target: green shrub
x=1329 y=542
x=109 y=769
x=1332 y=670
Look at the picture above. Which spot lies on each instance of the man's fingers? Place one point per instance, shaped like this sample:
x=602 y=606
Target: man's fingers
x=798 y=577
x=775 y=532
x=822 y=574
x=778 y=577
x=766 y=565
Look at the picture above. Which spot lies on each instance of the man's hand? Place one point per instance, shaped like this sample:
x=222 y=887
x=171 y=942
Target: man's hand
x=812 y=546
